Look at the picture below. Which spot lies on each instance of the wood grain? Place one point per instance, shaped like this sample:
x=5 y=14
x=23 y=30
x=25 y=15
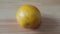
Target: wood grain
x=50 y=17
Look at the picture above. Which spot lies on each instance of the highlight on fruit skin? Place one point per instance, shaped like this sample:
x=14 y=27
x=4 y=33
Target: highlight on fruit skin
x=28 y=16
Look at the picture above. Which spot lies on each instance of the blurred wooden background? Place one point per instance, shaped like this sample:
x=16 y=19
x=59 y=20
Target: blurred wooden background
x=50 y=11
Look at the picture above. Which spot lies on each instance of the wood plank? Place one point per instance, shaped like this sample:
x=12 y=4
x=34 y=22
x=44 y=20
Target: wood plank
x=50 y=17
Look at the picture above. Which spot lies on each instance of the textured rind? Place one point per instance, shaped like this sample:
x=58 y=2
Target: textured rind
x=31 y=16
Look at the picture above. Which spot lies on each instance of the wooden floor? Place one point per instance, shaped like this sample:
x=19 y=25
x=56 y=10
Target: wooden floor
x=50 y=17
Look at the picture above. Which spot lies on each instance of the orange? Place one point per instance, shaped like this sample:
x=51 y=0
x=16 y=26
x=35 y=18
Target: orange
x=28 y=16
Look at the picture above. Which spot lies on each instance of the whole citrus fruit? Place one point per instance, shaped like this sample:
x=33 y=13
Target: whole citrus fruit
x=28 y=16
